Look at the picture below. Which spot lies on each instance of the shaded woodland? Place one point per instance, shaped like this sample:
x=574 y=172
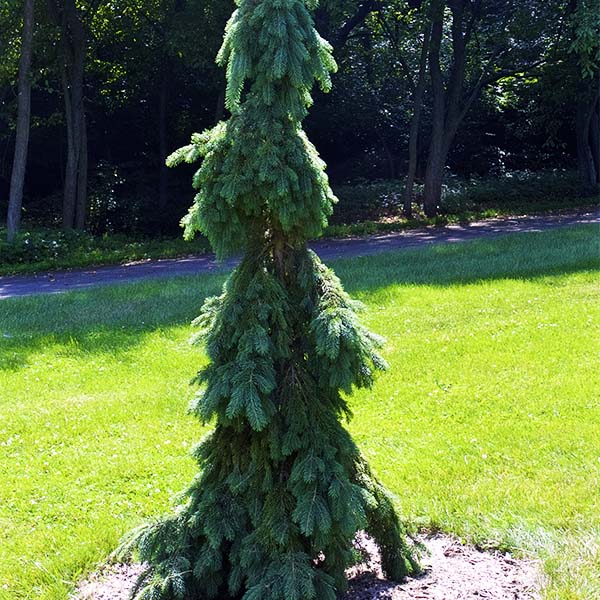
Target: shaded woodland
x=95 y=94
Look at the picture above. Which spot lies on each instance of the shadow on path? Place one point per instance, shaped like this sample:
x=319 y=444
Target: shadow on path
x=63 y=281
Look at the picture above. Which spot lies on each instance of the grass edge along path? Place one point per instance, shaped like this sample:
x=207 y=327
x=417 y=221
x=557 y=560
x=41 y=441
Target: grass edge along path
x=327 y=249
x=42 y=250
x=492 y=346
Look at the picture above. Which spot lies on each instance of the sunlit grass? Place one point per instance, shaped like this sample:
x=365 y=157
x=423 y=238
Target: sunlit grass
x=487 y=425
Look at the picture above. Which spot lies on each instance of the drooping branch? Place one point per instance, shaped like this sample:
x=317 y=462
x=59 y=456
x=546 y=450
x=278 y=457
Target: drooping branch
x=281 y=482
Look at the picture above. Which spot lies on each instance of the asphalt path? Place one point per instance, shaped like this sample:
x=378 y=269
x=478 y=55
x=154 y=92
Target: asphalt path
x=328 y=249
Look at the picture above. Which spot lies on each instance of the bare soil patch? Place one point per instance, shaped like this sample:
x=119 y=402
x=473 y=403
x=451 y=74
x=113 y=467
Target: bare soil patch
x=452 y=571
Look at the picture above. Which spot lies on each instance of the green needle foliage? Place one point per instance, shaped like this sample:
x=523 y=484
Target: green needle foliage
x=282 y=488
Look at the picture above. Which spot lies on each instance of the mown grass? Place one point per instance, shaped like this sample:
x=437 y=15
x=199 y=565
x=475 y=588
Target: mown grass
x=486 y=426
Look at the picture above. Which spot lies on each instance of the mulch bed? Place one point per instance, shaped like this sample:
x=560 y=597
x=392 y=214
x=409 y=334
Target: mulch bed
x=452 y=571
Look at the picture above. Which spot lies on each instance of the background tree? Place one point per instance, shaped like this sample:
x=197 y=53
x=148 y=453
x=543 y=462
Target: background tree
x=585 y=47
x=418 y=93
x=283 y=489
x=73 y=40
x=488 y=41
x=517 y=59
x=406 y=28
x=10 y=36
x=17 y=181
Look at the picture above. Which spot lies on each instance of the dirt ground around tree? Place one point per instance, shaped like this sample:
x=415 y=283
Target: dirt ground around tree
x=452 y=571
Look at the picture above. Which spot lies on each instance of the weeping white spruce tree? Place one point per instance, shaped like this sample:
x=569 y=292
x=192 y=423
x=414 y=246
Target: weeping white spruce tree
x=282 y=488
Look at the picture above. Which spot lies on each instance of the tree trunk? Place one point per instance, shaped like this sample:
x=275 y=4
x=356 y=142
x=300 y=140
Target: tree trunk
x=415 y=123
x=595 y=137
x=15 y=199
x=436 y=160
x=163 y=198
x=434 y=177
x=74 y=48
x=449 y=108
x=82 y=175
x=70 y=184
x=588 y=173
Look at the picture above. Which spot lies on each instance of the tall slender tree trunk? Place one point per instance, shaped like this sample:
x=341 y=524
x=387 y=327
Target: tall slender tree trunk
x=595 y=136
x=586 y=161
x=17 y=181
x=75 y=187
x=163 y=96
x=449 y=107
x=413 y=141
x=70 y=184
x=436 y=160
x=163 y=104
x=82 y=175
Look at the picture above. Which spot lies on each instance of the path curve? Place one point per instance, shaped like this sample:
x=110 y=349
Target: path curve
x=327 y=249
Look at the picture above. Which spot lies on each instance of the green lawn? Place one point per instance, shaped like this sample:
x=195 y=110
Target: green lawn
x=487 y=425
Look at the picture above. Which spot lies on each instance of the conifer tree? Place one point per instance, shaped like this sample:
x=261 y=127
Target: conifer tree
x=282 y=488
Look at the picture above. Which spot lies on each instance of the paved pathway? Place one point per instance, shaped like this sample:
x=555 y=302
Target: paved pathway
x=62 y=281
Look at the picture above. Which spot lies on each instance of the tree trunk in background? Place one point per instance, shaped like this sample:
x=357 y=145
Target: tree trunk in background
x=595 y=137
x=363 y=10
x=449 y=106
x=82 y=178
x=74 y=49
x=586 y=125
x=163 y=186
x=163 y=103
x=437 y=158
x=15 y=199
x=414 y=124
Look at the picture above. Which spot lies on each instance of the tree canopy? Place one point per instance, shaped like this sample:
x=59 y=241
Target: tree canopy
x=504 y=86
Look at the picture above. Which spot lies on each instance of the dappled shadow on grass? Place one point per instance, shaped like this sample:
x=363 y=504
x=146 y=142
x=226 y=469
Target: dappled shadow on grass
x=15 y=352
x=113 y=320
x=105 y=320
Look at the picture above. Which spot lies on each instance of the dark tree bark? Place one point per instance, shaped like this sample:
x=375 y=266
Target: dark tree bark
x=437 y=157
x=587 y=135
x=339 y=37
x=595 y=136
x=413 y=140
x=82 y=175
x=17 y=181
x=585 y=155
x=364 y=9
x=450 y=103
x=163 y=97
x=73 y=39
